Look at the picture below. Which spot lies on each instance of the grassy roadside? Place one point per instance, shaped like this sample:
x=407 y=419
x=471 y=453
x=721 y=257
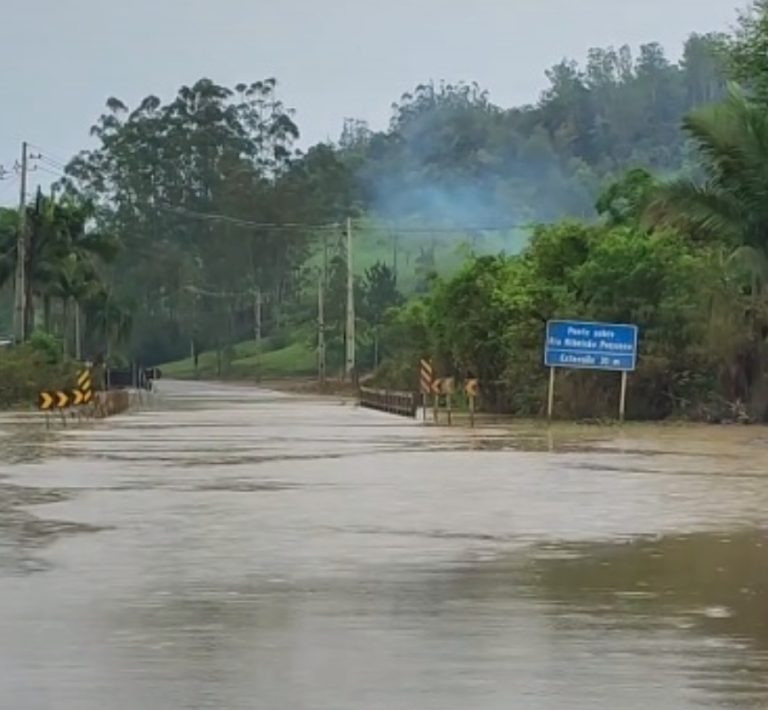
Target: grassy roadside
x=247 y=362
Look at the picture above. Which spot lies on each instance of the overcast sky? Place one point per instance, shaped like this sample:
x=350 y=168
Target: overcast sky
x=62 y=59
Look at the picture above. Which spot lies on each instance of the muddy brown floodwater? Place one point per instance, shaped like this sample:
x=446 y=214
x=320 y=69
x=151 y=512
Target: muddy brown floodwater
x=230 y=548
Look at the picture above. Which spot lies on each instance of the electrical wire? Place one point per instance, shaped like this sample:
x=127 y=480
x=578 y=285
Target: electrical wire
x=272 y=226
x=461 y=229
x=7 y=183
x=56 y=166
x=52 y=163
x=435 y=229
x=40 y=168
x=48 y=155
x=55 y=163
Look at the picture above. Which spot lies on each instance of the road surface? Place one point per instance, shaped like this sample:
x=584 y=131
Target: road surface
x=233 y=548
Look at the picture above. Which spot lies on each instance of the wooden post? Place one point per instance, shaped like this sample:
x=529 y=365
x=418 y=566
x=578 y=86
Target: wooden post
x=424 y=404
x=20 y=294
x=321 y=358
x=623 y=399
x=350 y=328
x=448 y=408
x=551 y=394
x=472 y=412
x=436 y=407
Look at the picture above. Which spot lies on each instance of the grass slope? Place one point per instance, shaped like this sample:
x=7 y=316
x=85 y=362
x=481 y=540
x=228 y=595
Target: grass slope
x=293 y=360
x=451 y=249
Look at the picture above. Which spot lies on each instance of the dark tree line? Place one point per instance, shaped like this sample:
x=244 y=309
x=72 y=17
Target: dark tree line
x=215 y=211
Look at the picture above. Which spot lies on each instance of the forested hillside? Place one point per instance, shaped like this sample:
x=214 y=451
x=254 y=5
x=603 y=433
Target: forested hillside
x=215 y=208
x=451 y=155
x=223 y=229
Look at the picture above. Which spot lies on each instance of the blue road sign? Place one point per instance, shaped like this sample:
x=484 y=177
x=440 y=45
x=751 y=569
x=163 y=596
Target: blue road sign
x=591 y=346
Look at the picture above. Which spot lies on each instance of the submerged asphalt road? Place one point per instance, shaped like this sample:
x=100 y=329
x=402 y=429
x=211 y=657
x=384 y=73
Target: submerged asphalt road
x=233 y=548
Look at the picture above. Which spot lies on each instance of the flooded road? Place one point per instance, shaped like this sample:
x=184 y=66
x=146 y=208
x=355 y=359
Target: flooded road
x=233 y=548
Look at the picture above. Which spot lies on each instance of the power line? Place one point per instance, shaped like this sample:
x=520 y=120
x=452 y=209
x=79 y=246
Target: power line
x=47 y=154
x=52 y=163
x=215 y=217
x=8 y=182
x=461 y=229
x=41 y=168
x=360 y=225
x=190 y=288
x=57 y=166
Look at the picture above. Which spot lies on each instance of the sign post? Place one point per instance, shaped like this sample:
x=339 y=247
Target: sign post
x=437 y=386
x=471 y=387
x=623 y=398
x=425 y=383
x=448 y=387
x=591 y=346
x=551 y=393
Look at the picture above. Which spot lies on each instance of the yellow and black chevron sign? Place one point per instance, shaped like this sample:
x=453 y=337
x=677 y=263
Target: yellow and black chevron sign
x=84 y=381
x=426 y=376
x=46 y=400
x=61 y=399
x=84 y=392
x=55 y=399
x=81 y=396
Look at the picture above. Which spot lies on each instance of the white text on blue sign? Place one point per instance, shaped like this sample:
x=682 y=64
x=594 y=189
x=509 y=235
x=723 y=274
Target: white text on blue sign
x=598 y=346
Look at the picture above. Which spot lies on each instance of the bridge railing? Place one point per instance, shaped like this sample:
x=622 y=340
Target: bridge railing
x=403 y=403
x=139 y=377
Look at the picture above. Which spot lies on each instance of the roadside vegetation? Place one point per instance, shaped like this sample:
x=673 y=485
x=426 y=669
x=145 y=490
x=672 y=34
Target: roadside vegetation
x=27 y=370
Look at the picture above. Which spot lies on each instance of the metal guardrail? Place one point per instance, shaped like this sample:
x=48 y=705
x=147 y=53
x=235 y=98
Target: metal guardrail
x=139 y=378
x=403 y=403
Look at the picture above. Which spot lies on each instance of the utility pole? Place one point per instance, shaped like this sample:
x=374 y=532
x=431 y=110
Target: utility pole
x=78 y=335
x=394 y=254
x=257 y=317
x=321 y=330
x=325 y=260
x=20 y=300
x=350 y=364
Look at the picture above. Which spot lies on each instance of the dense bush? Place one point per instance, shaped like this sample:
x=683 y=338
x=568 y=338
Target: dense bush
x=27 y=370
x=489 y=320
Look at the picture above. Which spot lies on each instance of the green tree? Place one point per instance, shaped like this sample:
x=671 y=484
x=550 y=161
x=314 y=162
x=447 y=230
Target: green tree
x=64 y=255
x=747 y=50
x=379 y=291
x=625 y=200
x=161 y=176
x=729 y=207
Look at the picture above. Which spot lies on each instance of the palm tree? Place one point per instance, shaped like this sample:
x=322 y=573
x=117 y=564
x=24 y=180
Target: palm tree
x=8 y=227
x=108 y=321
x=730 y=206
x=731 y=203
x=62 y=259
x=75 y=281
